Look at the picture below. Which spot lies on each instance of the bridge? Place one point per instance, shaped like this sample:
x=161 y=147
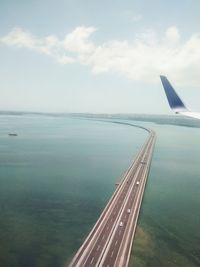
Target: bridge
x=110 y=241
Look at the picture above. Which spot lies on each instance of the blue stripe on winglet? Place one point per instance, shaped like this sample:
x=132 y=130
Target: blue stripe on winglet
x=173 y=99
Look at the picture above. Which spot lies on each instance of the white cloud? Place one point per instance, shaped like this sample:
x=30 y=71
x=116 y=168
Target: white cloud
x=19 y=38
x=49 y=45
x=78 y=40
x=143 y=58
x=172 y=35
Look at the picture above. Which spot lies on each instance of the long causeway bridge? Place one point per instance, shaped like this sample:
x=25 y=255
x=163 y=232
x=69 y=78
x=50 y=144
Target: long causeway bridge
x=110 y=241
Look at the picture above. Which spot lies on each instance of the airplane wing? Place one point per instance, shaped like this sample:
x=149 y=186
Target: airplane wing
x=175 y=101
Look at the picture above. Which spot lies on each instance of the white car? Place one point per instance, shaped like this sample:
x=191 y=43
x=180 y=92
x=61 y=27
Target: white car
x=121 y=224
x=137 y=183
x=128 y=210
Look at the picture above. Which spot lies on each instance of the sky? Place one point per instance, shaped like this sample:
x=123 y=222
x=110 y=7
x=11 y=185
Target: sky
x=98 y=56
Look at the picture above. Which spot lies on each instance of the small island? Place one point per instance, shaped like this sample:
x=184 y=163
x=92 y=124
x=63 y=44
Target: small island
x=13 y=134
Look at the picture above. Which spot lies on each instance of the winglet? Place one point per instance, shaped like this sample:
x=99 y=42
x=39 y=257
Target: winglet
x=174 y=100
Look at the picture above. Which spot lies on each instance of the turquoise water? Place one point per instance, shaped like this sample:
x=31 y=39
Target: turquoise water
x=58 y=174
x=169 y=225
x=55 y=178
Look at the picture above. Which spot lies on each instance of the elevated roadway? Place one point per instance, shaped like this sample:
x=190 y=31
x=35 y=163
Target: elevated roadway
x=110 y=241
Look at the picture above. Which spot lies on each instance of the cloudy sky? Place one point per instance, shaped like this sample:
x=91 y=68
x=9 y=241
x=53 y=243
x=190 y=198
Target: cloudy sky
x=98 y=56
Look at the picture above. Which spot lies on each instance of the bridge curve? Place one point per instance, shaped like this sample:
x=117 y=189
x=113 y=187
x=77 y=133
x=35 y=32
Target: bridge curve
x=110 y=241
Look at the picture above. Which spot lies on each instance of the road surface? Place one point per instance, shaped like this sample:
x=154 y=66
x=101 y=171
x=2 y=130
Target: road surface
x=110 y=241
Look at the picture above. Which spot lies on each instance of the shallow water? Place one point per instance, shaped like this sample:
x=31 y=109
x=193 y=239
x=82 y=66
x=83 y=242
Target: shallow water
x=169 y=224
x=55 y=178
x=58 y=173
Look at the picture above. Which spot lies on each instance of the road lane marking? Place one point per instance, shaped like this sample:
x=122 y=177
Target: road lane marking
x=115 y=198
x=92 y=260
x=133 y=190
x=135 y=212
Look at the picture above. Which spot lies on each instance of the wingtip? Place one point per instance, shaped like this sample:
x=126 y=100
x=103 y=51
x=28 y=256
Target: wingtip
x=174 y=100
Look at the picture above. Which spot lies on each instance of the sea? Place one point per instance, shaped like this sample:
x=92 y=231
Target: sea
x=58 y=173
